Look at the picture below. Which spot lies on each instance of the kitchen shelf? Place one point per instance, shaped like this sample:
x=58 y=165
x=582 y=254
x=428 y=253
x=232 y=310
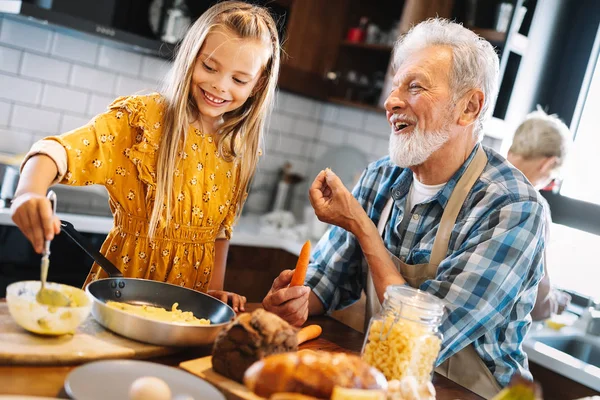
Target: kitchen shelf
x=356 y=104
x=367 y=46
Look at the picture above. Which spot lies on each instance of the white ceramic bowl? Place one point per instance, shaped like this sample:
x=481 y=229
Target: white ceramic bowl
x=40 y=318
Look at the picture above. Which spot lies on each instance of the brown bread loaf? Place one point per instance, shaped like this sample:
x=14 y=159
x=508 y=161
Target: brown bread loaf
x=249 y=338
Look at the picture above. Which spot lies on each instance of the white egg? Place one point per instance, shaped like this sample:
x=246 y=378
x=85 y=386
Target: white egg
x=149 y=388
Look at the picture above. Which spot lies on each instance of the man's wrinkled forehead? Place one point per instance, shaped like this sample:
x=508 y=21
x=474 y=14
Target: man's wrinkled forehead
x=428 y=61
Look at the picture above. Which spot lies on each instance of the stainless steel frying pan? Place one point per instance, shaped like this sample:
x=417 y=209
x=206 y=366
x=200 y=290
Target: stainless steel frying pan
x=147 y=292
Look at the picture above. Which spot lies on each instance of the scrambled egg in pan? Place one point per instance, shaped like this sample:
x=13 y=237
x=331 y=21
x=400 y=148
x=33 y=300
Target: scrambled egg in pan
x=160 y=314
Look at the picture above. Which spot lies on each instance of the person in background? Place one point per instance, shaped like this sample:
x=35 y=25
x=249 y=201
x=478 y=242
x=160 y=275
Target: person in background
x=441 y=213
x=177 y=163
x=539 y=148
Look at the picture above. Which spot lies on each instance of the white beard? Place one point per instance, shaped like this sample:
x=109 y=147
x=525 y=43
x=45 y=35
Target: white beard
x=407 y=150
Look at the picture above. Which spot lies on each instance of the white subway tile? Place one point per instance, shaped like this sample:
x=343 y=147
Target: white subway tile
x=93 y=79
x=64 y=99
x=281 y=123
x=28 y=36
x=127 y=86
x=99 y=104
x=299 y=166
x=380 y=147
x=300 y=105
x=35 y=119
x=20 y=89
x=272 y=161
x=350 y=117
x=119 y=60
x=9 y=59
x=290 y=145
x=362 y=142
x=70 y=122
x=306 y=128
x=332 y=135
x=319 y=150
x=14 y=142
x=330 y=113
x=45 y=68
x=257 y=202
x=155 y=69
x=5 y=109
x=75 y=49
x=271 y=141
x=377 y=123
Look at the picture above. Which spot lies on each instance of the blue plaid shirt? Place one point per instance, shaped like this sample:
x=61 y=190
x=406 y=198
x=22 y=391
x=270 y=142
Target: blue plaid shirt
x=488 y=280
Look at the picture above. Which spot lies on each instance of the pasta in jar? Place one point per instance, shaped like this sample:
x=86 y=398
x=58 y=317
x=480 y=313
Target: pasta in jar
x=403 y=339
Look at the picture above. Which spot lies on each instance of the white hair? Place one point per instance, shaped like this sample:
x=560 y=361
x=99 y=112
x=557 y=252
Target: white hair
x=475 y=63
x=541 y=135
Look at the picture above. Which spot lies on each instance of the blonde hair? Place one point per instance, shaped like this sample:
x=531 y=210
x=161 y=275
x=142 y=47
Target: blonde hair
x=243 y=128
x=541 y=135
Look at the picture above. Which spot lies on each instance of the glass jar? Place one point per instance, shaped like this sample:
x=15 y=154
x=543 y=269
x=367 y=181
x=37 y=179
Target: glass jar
x=403 y=338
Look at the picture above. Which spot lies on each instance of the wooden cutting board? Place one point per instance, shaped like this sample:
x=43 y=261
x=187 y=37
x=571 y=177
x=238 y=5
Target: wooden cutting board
x=233 y=390
x=90 y=342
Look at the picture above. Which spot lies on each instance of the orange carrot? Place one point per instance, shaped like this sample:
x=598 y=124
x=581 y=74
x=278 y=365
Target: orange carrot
x=309 y=332
x=301 y=265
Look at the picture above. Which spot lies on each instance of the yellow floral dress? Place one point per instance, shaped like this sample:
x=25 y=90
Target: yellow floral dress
x=118 y=149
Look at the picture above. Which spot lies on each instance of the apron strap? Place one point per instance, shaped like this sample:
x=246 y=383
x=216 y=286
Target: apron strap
x=455 y=203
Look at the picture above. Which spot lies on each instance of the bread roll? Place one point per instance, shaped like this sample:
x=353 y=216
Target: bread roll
x=249 y=338
x=312 y=373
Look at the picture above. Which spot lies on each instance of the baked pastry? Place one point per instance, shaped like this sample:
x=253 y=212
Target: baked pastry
x=249 y=338
x=312 y=373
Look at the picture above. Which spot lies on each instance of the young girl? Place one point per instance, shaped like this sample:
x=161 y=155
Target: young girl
x=176 y=164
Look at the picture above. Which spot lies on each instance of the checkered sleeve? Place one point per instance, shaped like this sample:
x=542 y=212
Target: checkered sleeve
x=483 y=283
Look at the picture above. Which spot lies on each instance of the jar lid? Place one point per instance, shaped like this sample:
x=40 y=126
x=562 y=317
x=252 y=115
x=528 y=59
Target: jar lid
x=423 y=303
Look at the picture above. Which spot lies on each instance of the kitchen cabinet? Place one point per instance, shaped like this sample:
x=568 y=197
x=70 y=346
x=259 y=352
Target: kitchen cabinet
x=251 y=270
x=325 y=60
x=558 y=387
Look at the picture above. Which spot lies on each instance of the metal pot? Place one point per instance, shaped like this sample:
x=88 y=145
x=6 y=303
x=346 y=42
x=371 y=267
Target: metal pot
x=157 y=294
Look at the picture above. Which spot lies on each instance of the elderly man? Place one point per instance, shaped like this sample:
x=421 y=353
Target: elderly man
x=539 y=148
x=441 y=213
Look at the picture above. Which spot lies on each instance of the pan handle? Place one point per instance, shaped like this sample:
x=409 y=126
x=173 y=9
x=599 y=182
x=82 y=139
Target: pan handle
x=82 y=242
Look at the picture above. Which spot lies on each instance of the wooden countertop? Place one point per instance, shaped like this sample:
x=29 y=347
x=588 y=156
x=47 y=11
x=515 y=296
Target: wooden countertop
x=48 y=381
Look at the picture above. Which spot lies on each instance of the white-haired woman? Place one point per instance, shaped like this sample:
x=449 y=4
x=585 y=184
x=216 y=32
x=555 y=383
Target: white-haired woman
x=539 y=148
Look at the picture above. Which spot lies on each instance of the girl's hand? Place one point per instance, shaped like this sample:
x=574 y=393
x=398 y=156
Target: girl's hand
x=32 y=213
x=236 y=301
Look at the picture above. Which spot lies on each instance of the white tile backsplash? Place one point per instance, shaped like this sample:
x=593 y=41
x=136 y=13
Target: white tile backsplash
x=99 y=104
x=25 y=35
x=306 y=128
x=380 y=148
x=45 y=68
x=332 y=135
x=5 y=110
x=64 y=99
x=377 y=124
x=362 y=141
x=291 y=145
x=350 y=117
x=35 y=119
x=74 y=49
x=9 y=59
x=299 y=105
x=281 y=122
x=126 y=86
x=154 y=69
x=70 y=122
x=118 y=60
x=93 y=79
x=15 y=142
x=19 y=89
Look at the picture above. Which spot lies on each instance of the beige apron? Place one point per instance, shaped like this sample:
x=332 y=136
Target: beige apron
x=465 y=367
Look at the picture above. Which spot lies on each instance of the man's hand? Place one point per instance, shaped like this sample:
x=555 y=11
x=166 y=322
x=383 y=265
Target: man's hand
x=289 y=303
x=236 y=301
x=333 y=202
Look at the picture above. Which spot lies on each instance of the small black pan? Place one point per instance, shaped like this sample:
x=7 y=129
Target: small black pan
x=147 y=292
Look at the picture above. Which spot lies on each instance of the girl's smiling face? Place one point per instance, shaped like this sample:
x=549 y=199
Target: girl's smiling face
x=226 y=72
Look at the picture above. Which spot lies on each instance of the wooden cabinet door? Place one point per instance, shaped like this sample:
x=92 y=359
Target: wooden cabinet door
x=314 y=31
